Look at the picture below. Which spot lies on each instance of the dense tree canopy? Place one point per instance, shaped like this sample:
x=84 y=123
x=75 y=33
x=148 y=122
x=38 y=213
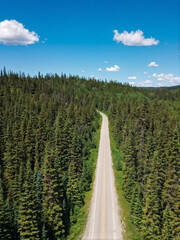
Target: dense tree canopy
x=46 y=126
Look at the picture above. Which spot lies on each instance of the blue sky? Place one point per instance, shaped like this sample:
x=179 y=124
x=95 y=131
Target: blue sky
x=76 y=37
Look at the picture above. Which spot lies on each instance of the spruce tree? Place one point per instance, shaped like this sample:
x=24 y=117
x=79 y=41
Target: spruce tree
x=151 y=222
x=167 y=230
x=136 y=207
x=129 y=168
x=28 y=209
x=52 y=207
x=5 y=225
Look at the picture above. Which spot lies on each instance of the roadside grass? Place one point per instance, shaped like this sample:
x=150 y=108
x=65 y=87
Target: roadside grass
x=130 y=233
x=77 y=230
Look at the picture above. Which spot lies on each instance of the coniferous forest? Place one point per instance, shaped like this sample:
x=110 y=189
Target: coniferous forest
x=46 y=136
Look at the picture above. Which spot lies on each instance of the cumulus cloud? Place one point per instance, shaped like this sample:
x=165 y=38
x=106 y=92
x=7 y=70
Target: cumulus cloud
x=105 y=61
x=153 y=64
x=145 y=72
x=83 y=71
x=146 y=83
x=131 y=83
x=92 y=76
x=160 y=85
x=167 y=77
x=134 y=38
x=14 y=33
x=115 y=68
x=132 y=78
x=100 y=70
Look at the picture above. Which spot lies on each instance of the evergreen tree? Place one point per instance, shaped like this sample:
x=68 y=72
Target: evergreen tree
x=28 y=209
x=167 y=230
x=52 y=207
x=170 y=191
x=5 y=225
x=129 y=168
x=136 y=207
x=151 y=223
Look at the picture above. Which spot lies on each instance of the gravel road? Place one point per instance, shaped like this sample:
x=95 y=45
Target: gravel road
x=104 y=220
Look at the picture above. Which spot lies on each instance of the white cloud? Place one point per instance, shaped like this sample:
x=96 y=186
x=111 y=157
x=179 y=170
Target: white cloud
x=132 y=78
x=115 y=68
x=131 y=83
x=100 y=70
x=105 y=61
x=160 y=84
x=167 y=77
x=145 y=72
x=149 y=76
x=147 y=83
x=14 y=33
x=92 y=76
x=153 y=64
x=83 y=71
x=134 y=38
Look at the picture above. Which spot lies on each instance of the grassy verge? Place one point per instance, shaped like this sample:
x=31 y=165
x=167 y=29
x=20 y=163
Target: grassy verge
x=130 y=232
x=77 y=230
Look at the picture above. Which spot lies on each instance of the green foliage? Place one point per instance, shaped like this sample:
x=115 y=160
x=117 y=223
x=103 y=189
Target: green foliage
x=46 y=129
x=5 y=231
x=144 y=127
x=52 y=206
x=151 y=223
x=47 y=126
x=136 y=207
x=28 y=208
x=167 y=230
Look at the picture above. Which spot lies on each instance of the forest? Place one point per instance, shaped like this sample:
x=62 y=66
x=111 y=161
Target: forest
x=47 y=126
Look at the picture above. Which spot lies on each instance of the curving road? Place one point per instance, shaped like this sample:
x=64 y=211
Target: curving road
x=103 y=221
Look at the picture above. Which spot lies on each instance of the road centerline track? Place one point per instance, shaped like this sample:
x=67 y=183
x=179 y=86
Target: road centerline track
x=103 y=220
x=104 y=200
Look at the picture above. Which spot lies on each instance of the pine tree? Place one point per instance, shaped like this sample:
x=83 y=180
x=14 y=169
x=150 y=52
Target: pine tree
x=175 y=221
x=75 y=172
x=30 y=142
x=1 y=134
x=141 y=127
x=136 y=207
x=76 y=152
x=60 y=143
x=151 y=223
x=28 y=209
x=52 y=208
x=40 y=140
x=129 y=168
x=170 y=191
x=73 y=192
x=5 y=225
x=167 y=230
